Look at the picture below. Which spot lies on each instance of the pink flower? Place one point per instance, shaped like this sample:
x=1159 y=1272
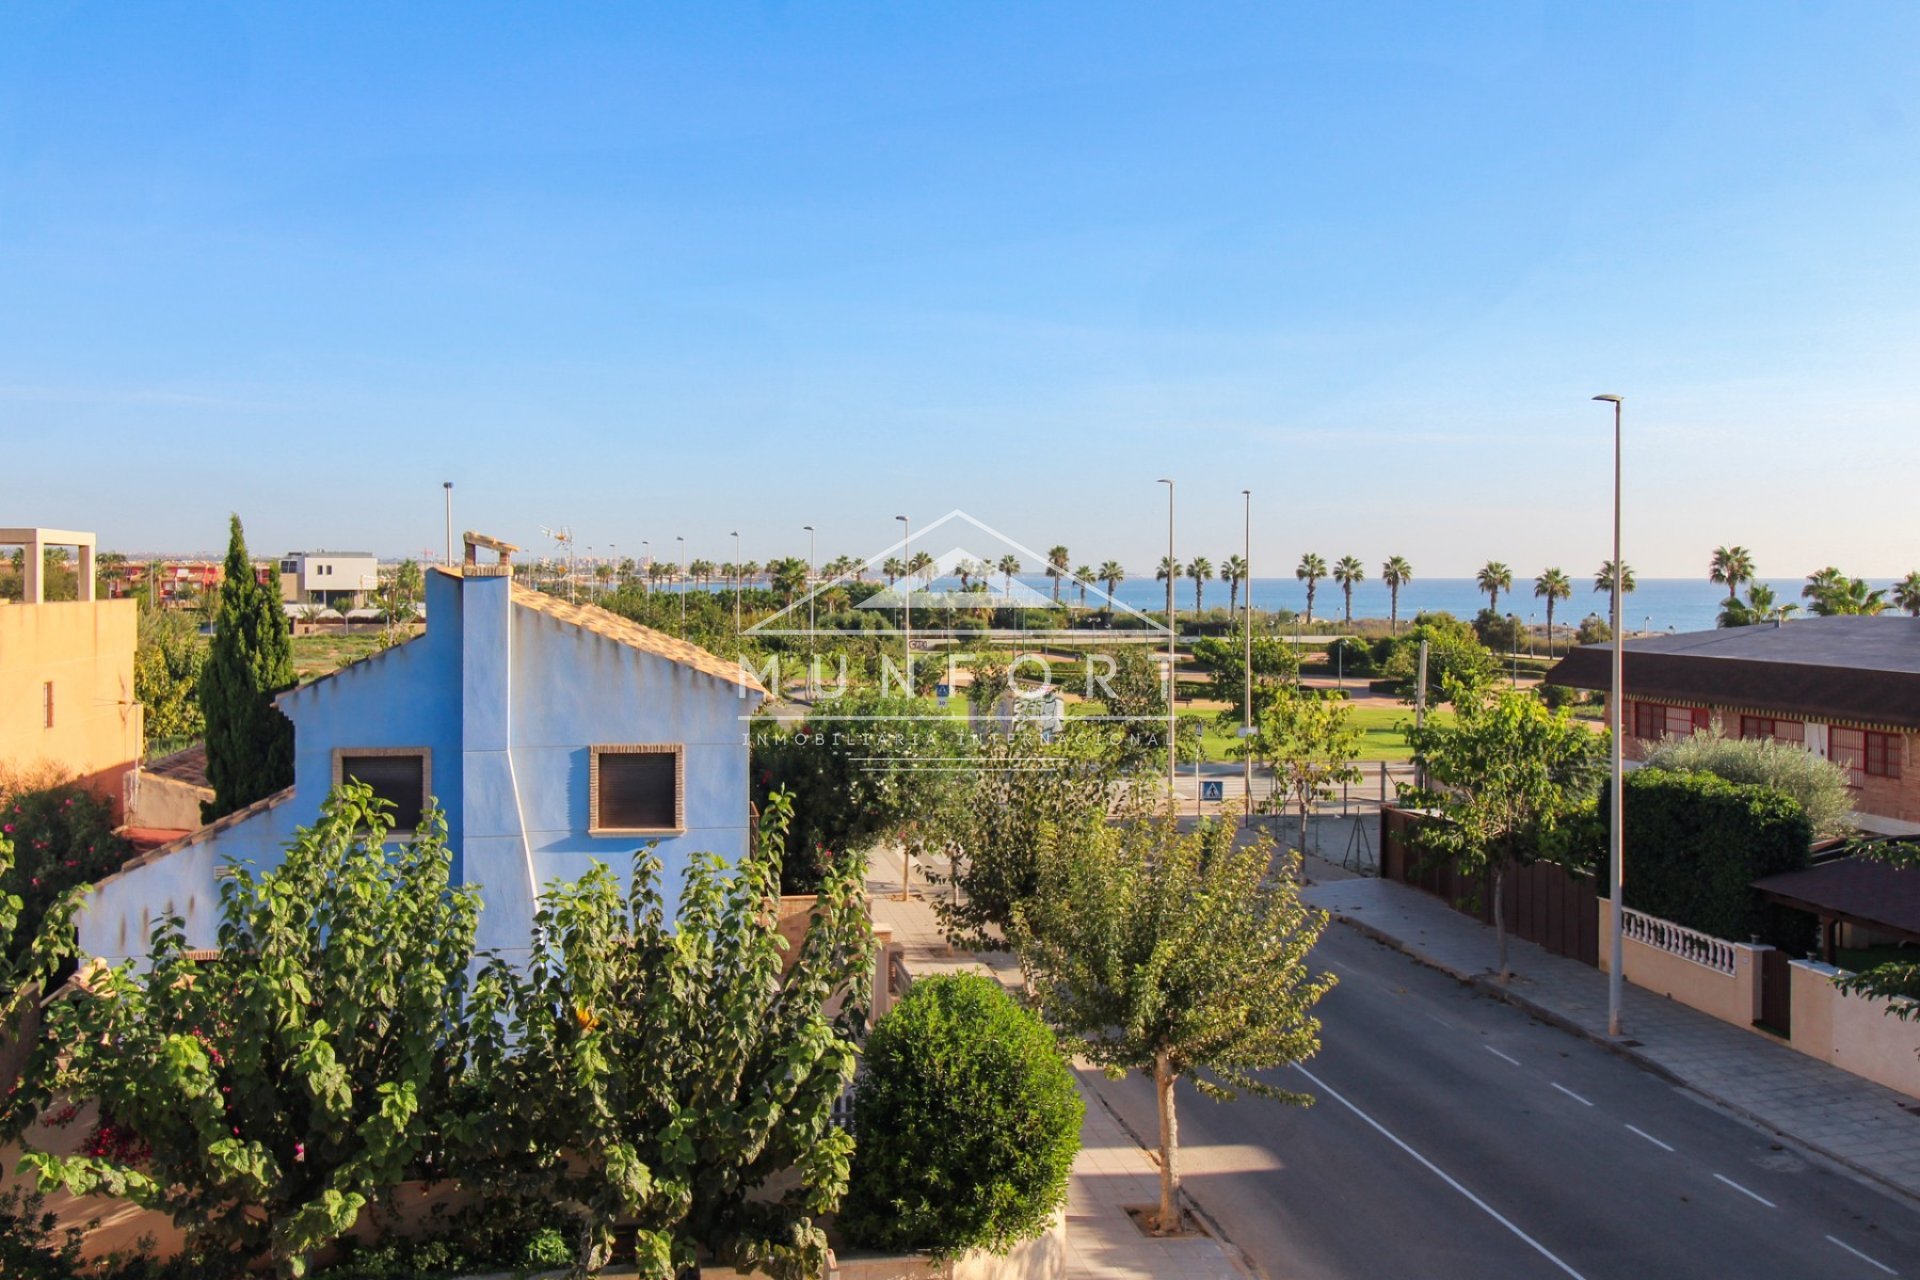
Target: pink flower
x=299 y=1152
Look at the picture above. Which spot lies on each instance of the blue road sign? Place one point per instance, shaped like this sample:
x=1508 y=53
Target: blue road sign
x=1213 y=791
x=942 y=692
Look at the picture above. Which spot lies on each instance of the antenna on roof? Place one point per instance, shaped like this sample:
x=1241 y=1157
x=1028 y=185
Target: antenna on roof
x=563 y=537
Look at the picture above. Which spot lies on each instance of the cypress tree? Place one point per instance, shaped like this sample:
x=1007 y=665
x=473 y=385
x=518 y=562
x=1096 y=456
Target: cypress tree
x=249 y=743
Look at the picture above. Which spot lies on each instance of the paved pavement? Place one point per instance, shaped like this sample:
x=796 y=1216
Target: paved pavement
x=1854 y=1122
x=1112 y=1170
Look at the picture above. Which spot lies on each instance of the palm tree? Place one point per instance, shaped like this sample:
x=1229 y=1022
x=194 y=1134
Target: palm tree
x=1730 y=567
x=789 y=576
x=1310 y=570
x=1199 y=569
x=1233 y=572
x=1757 y=607
x=1906 y=594
x=1834 y=594
x=1082 y=576
x=921 y=565
x=750 y=570
x=895 y=568
x=1603 y=580
x=1113 y=575
x=1396 y=573
x=1552 y=586
x=1347 y=572
x=1168 y=572
x=1008 y=566
x=1058 y=558
x=1494 y=578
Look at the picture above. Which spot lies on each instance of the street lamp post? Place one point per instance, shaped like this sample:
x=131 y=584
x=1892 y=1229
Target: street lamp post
x=1173 y=685
x=1513 y=625
x=1246 y=673
x=1616 y=807
x=682 y=584
x=736 y=585
x=812 y=549
x=448 y=486
x=906 y=601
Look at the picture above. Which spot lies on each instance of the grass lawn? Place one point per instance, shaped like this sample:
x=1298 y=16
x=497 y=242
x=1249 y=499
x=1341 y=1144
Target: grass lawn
x=316 y=656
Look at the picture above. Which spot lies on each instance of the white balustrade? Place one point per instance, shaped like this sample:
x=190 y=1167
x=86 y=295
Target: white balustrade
x=1689 y=944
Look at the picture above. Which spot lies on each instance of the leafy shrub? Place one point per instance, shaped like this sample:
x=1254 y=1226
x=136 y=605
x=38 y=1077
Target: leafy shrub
x=1559 y=695
x=1695 y=844
x=1593 y=630
x=1819 y=785
x=1350 y=655
x=967 y=1123
x=62 y=837
x=1454 y=652
x=31 y=1243
x=166 y=678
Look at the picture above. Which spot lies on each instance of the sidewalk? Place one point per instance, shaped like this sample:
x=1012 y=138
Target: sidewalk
x=1851 y=1121
x=1111 y=1172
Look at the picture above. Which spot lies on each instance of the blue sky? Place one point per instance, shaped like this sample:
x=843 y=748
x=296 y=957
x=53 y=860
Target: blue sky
x=652 y=270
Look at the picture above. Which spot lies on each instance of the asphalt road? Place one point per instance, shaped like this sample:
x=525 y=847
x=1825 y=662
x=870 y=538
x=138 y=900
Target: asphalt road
x=1455 y=1137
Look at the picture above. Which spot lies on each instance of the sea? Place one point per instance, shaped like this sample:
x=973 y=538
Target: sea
x=1655 y=604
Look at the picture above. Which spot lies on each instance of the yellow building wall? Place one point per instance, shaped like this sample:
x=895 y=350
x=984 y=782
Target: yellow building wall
x=84 y=649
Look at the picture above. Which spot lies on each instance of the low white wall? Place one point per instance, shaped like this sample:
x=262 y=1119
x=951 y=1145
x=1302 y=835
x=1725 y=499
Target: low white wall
x=1733 y=997
x=1042 y=1258
x=1852 y=1032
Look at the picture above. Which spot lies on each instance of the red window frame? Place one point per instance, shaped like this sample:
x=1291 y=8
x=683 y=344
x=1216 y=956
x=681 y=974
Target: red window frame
x=1653 y=721
x=1864 y=753
x=1794 y=731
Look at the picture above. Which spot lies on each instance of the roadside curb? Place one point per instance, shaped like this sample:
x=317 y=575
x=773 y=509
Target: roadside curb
x=1482 y=980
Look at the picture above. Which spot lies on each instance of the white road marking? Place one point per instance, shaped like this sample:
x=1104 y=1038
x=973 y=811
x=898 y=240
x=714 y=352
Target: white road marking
x=1872 y=1262
x=1571 y=1094
x=1442 y=1021
x=1650 y=1138
x=1743 y=1191
x=1503 y=1057
x=1437 y=1171
x=1334 y=964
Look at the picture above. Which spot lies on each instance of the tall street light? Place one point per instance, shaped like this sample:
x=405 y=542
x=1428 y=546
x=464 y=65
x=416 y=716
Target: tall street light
x=812 y=547
x=683 y=582
x=1616 y=799
x=906 y=602
x=1172 y=659
x=736 y=584
x=1246 y=673
x=448 y=486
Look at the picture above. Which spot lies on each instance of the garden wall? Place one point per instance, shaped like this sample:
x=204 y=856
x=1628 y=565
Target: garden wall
x=1852 y=1032
x=1716 y=977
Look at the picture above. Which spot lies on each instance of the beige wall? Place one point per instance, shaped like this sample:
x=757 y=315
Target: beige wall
x=85 y=650
x=163 y=803
x=1731 y=997
x=1851 y=1032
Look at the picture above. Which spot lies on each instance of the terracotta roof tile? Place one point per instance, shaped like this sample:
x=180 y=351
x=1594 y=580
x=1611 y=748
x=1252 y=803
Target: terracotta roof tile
x=624 y=631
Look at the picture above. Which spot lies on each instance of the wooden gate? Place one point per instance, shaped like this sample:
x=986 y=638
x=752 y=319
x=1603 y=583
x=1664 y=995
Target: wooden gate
x=1776 y=992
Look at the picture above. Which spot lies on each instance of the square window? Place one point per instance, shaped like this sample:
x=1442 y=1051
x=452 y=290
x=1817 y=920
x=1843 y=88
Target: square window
x=397 y=775
x=636 y=788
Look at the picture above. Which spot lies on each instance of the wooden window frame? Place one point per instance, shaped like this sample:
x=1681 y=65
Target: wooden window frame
x=426 y=777
x=677 y=750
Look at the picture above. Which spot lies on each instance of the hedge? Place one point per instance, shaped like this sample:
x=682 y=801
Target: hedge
x=1695 y=844
x=966 y=1123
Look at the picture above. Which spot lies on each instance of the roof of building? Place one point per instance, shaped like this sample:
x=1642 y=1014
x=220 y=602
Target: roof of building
x=1863 y=670
x=630 y=633
x=1857 y=889
x=188 y=765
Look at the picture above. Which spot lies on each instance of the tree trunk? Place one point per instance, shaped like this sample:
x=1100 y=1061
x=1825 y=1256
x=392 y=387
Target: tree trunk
x=1302 y=875
x=1163 y=1078
x=1500 y=916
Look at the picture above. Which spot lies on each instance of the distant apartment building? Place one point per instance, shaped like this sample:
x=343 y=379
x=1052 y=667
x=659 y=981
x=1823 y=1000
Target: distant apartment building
x=328 y=577
x=66 y=672
x=1845 y=688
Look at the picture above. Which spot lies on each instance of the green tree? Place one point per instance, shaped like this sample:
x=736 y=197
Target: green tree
x=285 y=1083
x=1113 y=575
x=1906 y=593
x=1349 y=572
x=1603 y=580
x=1023 y=786
x=1552 y=586
x=1759 y=606
x=34 y=947
x=1224 y=659
x=1819 y=785
x=1396 y=573
x=1058 y=558
x=167 y=662
x=1454 y=652
x=1503 y=774
x=1082 y=575
x=1310 y=570
x=1310 y=743
x=1730 y=567
x=1169 y=572
x=1833 y=594
x=665 y=1069
x=1174 y=955
x=1199 y=569
x=1493 y=578
x=249 y=743
x=1233 y=572
x=968 y=1123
